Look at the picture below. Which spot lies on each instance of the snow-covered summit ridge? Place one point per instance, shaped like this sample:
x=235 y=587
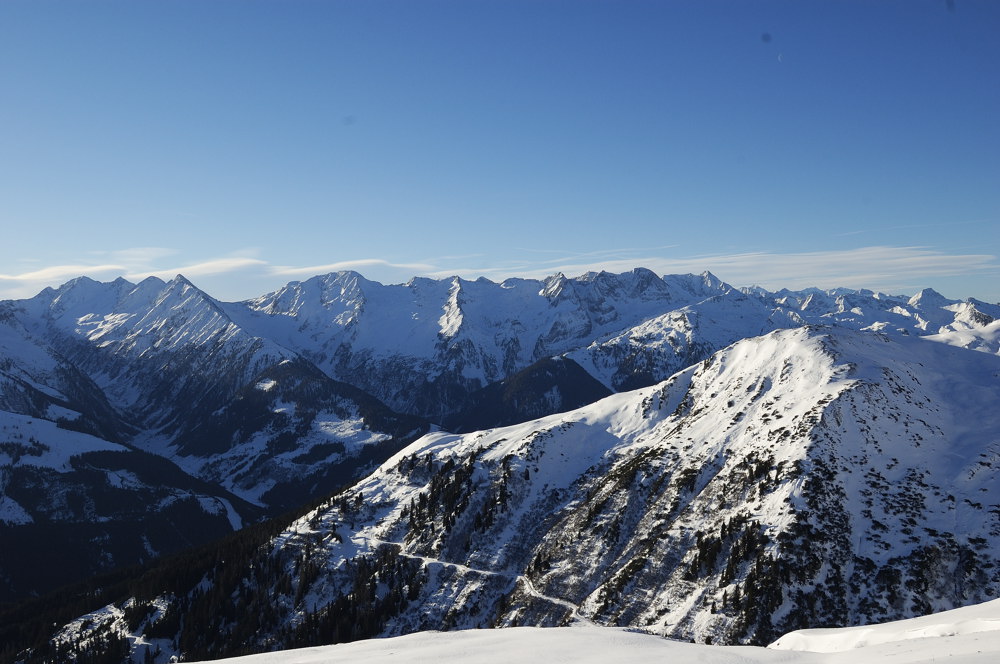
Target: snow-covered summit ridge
x=178 y=373
x=445 y=337
x=424 y=346
x=165 y=314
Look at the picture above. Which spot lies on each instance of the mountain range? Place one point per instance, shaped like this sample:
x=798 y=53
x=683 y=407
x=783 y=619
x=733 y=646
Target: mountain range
x=665 y=453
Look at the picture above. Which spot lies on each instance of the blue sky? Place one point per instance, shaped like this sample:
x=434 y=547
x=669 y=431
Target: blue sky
x=247 y=144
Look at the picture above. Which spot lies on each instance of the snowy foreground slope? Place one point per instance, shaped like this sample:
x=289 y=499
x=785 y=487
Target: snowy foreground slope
x=970 y=635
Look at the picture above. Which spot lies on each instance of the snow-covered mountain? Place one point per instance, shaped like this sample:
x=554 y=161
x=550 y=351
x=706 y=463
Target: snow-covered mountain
x=196 y=411
x=36 y=381
x=420 y=347
x=817 y=476
x=161 y=351
x=269 y=399
x=806 y=477
x=189 y=383
x=424 y=346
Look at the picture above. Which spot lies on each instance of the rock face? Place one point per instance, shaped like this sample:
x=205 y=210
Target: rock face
x=811 y=477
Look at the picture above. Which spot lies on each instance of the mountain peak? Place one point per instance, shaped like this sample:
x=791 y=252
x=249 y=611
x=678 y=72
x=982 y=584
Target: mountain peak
x=553 y=285
x=929 y=297
x=180 y=280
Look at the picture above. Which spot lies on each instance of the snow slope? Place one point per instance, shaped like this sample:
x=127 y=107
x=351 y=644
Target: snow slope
x=985 y=338
x=925 y=630
x=823 y=434
x=969 y=635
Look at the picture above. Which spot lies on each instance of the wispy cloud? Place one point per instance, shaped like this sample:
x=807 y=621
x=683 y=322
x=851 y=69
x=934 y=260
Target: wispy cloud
x=879 y=268
x=360 y=264
x=623 y=254
x=907 y=227
x=886 y=268
x=207 y=268
x=133 y=264
x=61 y=272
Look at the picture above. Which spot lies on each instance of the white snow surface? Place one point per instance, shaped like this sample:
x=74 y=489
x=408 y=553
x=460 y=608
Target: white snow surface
x=964 y=621
x=985 y=339
x=969 y=635
x=54 y=446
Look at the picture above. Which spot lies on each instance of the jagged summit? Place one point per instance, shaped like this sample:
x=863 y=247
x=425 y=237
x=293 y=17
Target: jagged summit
x=929 y=297
x=422 y=346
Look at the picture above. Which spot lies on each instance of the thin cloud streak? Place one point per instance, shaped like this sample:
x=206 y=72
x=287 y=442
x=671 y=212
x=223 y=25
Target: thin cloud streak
x=885 y=268
x=56 y=272
x=906 y=227
x=877 y=268
x=212 y=267
x=348 y=265
x=617 y=254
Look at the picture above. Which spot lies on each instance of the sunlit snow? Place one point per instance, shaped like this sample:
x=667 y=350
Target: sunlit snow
x=970 y=635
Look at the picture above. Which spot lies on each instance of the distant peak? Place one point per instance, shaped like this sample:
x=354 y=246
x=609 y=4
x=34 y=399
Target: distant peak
x=929 y=297
x=644 y=272
x=182 y=286
x=553 y=285
x=554 y=280
x=416 y=282
x=77 y=281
